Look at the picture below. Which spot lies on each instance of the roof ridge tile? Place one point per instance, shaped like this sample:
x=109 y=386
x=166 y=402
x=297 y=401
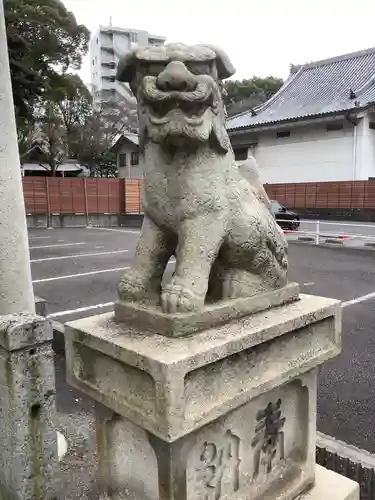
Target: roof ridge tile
x=342 y=57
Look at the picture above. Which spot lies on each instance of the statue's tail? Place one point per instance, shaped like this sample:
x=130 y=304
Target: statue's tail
x=249 y=170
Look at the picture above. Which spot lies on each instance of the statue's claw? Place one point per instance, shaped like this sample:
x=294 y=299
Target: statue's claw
x=176 y=298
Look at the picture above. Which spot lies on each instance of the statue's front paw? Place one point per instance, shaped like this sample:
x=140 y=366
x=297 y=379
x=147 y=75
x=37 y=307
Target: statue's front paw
x=133 y=287
x=178 y=298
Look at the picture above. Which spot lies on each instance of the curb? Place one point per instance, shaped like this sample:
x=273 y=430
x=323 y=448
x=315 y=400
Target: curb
x=334 y=241
x=357 y=455
x=305 y=238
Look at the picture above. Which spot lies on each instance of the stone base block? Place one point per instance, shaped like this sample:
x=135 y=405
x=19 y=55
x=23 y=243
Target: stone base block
x=28 y=454
x=331 y=486
x=264 y=449
x=218 y=313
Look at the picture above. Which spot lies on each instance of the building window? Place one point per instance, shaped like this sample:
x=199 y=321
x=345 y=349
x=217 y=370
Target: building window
x=371 y=125
x=133 y=37
x=122 y=159
x=97 y=41
x=93 y=62
x=110 y=64
x=134 y=159
x=240 y=154
x=331 y=127
x=283 y=133
x=154 y=42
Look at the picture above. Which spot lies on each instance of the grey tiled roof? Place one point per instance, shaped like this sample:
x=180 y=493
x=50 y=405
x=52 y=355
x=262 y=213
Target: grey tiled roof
x=318 y=88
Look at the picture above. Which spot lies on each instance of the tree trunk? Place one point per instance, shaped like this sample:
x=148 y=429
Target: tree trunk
x=53 y=168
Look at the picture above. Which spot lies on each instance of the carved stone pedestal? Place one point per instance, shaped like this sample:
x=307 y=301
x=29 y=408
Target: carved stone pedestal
x=229 y=412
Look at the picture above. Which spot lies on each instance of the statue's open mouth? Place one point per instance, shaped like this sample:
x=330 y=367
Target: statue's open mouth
x=165 y=106
x=191 y=112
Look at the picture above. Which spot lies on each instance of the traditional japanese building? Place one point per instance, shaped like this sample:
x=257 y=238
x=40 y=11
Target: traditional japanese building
x=320 y=126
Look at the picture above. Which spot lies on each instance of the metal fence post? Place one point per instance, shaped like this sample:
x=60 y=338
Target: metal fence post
x=49 y=215
x=139 y=197
x=317 y=232
x=86 y=202
x=125 y=197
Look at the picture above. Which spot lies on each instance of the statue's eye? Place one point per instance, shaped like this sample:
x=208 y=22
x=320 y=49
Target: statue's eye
x=154 y=69
x=199 y=68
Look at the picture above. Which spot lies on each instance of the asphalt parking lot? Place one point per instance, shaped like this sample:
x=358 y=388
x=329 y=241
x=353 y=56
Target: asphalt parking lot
x=77 y=270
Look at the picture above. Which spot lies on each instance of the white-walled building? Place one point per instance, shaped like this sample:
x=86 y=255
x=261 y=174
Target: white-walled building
x=126 y=148
x=320 y=126
x=107 y=46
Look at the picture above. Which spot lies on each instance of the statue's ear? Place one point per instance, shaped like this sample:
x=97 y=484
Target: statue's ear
x=126 y=68
x=225 y=68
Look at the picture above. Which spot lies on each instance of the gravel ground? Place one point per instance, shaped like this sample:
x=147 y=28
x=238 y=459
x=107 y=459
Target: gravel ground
x=76 y=421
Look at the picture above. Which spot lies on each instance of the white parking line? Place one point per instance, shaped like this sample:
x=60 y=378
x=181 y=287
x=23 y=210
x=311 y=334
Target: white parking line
x=86 y=308
x=130 y=231
x=81 y=309
x=91 y=273
x=60 y=257
x=358 y=300
x=39 y=237
x=59 y=245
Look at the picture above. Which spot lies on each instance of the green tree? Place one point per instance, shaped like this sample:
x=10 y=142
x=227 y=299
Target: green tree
x=107 y=165
x=44 y=41
x=73 y=100
x=72 y=105
x=248 y=93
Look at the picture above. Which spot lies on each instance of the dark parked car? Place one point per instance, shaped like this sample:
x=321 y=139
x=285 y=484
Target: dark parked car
x=284 y=217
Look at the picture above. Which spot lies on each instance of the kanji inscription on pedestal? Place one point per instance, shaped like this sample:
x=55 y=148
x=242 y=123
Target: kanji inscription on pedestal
x=217 y=460
x=269 y=438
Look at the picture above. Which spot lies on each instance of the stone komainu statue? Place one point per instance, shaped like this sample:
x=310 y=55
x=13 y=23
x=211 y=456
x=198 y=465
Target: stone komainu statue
x=199 y=205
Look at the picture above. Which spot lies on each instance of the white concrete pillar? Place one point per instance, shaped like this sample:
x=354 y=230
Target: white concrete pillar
x=16 y=290
x=365 y=166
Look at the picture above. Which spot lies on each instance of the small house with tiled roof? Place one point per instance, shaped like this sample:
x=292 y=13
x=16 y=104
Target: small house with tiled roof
x=320 y=126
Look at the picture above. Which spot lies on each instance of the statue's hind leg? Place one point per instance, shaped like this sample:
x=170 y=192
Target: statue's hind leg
x=233 y=283
x=252 y=260
x=265 y=275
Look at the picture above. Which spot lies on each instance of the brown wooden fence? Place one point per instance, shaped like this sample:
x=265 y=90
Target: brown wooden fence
x=353 y=194
x=133 y=198
x=46 y=195
x=73 y=196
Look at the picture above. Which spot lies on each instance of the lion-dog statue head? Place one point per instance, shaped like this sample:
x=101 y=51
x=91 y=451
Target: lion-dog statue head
x=199 y=205
x=179 y=93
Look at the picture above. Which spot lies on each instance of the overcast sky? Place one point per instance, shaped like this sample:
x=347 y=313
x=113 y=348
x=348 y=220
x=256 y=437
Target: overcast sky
x=262 y=37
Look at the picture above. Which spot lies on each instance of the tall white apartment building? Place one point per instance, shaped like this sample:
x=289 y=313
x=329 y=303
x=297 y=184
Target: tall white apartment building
x=107 y=46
